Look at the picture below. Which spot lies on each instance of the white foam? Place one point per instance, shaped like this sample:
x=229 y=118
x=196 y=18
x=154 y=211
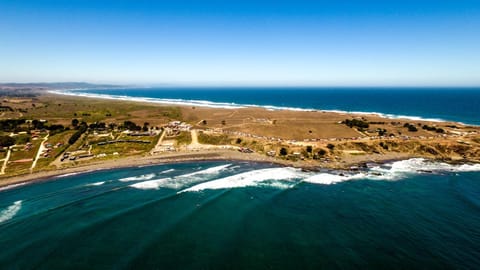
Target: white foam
x=66 y=175
x=12 y=186
x=167 y=171
x=180 y=181
x=329 y=178
x=11 y=211
x=212 y=170
x=288 y=177
x=138 y=178
x=251 y=178
x=151 y=184
x=97 y=184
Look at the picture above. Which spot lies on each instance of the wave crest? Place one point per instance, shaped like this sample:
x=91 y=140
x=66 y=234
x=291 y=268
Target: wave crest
x=11 y=211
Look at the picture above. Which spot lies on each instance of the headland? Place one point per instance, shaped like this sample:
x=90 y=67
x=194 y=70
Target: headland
x=45 y=135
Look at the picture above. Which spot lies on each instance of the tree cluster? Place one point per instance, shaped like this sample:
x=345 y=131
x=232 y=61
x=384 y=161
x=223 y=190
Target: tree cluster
x=356 y=123
x=75 y=136
x=410 y=127
x=430 y=128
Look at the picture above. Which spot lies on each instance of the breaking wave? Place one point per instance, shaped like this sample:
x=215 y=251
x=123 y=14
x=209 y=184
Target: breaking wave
x=11 y=211
x=251 y=178
x=138 y=178
x=212 y=170
x=287 y=177
x=97 y=184
x=180 y=181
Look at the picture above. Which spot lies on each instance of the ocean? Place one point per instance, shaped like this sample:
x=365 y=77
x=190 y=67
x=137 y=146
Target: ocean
x=411 y=214
x=243 y=215
x=437 y=104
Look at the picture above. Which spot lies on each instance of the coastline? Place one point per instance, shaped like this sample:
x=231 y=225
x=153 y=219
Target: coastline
x=203 y=156
x=346 y=161
x=232 y=106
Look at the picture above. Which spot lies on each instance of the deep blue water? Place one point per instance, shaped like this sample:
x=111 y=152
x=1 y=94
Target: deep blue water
x=454 y=104
x=219 y=215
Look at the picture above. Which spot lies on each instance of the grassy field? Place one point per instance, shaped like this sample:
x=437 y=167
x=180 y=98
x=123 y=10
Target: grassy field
x=205 y=138
x=184 y=138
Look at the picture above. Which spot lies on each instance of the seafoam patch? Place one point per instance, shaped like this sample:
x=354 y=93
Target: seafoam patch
x=212 y=170
x=138 y=178
x=10 y=212
x=251 y=178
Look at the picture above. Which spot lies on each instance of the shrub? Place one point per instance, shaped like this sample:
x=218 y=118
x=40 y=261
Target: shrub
x=309 y=149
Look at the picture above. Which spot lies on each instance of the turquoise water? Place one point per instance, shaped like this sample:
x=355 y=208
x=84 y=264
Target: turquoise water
x=453 y=104
x=238 y=215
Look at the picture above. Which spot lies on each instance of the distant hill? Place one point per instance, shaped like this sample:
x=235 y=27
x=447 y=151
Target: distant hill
x=32 y=89
x=56 y=85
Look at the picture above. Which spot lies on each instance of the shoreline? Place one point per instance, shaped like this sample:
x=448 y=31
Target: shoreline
x=205 y=156
x=232 y=106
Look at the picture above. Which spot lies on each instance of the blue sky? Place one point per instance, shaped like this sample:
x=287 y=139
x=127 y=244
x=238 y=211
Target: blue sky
x=288 y=43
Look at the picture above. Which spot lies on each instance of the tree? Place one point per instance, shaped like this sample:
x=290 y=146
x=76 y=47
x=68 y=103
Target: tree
x=75 y=122
x=6 y=141
x=224 y=122
x=204 y=122
x=309 y=149
x=322 y=152
x=330 y=146
x=283 y=151
x=238 y=141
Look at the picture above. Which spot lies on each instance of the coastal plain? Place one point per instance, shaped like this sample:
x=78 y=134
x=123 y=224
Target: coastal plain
x=121 y=133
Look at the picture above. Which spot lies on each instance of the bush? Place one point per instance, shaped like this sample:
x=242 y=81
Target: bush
x=330 y=146
x=283 y=151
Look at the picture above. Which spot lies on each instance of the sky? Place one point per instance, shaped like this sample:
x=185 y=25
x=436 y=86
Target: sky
x=277 y=43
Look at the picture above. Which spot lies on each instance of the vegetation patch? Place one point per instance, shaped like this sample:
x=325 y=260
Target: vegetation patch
x=213 y=139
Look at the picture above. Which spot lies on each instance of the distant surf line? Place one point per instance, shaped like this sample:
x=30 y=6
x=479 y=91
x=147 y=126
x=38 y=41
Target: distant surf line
x=232 y=105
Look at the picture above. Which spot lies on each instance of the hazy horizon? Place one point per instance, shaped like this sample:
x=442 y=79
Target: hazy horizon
x=248 y=44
